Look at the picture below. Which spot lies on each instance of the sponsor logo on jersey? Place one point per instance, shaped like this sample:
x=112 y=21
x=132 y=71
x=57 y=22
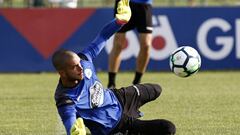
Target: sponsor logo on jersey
x=96 y=95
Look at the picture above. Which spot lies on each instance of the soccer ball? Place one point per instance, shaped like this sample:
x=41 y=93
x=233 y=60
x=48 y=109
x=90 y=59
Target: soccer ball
x=185 y=61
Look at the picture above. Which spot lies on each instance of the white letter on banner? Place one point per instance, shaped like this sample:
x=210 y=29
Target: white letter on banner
x=237 y=38
x=132 y=48
x=165 y=31
x=226 y=42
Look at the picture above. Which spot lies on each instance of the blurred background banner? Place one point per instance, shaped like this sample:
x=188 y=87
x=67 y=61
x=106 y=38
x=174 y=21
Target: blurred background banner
x=28 y=37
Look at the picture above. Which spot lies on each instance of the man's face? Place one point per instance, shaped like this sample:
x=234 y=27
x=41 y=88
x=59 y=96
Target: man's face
x=74 y=70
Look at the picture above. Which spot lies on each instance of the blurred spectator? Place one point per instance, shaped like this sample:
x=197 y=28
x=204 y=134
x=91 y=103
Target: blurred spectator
x=108 y=2
x=34 y=3
x=38 y=3
x=1 y=3
x=204 y=2
x=191 y=3
x=7 y=3
x=70 y=3
x=54 y=3
x=64 y=3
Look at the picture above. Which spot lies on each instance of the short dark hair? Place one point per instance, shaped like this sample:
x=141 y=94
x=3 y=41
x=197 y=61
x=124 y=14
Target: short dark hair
x=60 y=57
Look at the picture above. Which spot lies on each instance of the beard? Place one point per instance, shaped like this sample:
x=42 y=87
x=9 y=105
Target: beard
x=74 y=77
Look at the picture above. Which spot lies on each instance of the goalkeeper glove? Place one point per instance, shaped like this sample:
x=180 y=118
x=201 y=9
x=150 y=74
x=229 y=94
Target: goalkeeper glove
x=123 y=12
x=78 y=128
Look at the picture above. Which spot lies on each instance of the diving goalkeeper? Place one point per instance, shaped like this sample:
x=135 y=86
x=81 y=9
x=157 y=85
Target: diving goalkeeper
x=82 y=100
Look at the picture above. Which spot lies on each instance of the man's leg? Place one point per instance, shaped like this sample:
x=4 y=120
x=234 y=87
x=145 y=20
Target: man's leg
x=152 y=127
x=114 y=58
x=149 y=92
x=132 y=98
x=145 y=40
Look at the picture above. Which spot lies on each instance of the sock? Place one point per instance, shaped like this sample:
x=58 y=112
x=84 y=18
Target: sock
x=137 y=78
x=111 y=79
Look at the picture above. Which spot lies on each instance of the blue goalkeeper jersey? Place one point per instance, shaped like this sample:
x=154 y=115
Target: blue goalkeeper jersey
x=142 y=1
x=99 y=107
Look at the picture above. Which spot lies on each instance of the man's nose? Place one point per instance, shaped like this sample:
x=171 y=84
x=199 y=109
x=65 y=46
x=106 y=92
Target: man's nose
x=80 y=67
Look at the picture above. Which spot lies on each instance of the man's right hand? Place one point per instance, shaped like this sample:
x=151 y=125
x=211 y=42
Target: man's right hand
x=78 y=128
x=123 y=12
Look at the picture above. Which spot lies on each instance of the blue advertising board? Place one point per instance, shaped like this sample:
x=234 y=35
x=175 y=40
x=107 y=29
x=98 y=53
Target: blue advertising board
x=28 y=37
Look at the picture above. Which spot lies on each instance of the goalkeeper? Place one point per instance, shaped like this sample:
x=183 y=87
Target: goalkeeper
x=82 y=101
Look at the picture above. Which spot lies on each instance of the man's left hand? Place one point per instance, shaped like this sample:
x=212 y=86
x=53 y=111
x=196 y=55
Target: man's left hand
x=78 y=128
x=123 y=12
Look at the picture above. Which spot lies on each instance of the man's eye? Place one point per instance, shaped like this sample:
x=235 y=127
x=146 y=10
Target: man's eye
x=72 y=67
x=75 y=66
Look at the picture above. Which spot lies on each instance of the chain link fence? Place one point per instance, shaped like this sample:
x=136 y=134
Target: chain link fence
x=110 y=3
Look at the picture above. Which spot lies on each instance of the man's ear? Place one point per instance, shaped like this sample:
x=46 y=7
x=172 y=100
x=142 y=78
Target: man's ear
x=62 y=73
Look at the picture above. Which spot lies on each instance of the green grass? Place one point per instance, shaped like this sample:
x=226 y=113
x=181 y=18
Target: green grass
x=204 y=104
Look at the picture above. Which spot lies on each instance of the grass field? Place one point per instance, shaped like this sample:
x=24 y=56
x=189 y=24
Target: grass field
x=207 y=103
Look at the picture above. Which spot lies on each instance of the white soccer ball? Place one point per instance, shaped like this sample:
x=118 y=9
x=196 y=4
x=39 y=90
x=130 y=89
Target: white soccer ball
x=185 y=61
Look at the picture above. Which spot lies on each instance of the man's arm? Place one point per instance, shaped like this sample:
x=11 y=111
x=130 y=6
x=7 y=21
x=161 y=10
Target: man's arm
x=72 y=125
x=100 y=41
x=122 y=17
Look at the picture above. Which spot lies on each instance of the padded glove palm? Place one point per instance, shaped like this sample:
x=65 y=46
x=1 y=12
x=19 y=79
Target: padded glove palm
x=78 y=128
x=123 y=12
